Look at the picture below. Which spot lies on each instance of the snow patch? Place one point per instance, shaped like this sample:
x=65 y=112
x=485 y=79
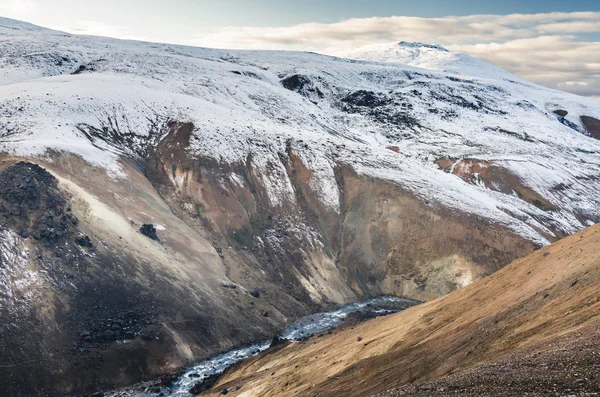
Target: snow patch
x=19 y=284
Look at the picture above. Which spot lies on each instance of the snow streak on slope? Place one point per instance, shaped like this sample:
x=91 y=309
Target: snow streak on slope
x=18 y=283
x=56 y=88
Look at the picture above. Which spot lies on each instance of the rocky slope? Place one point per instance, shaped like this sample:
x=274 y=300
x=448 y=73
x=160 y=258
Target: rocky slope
x=528 y=329
x=278 y=183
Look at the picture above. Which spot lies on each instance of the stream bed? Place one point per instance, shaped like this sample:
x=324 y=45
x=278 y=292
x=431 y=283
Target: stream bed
x=300 y=329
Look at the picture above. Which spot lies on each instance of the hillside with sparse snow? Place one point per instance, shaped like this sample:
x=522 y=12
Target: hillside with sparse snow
x=313 y=180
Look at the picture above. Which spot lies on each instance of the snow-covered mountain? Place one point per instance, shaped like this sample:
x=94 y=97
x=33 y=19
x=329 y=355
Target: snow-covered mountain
x=347 y=113
x=428 y=56
x=307 y=179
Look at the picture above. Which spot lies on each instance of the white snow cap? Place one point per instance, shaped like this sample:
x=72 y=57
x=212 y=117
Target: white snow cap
x=426 y=56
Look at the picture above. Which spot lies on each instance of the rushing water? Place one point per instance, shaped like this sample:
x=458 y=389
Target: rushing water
x=304 y=327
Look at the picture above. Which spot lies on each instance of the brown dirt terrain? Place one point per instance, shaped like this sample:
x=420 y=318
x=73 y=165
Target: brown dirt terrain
x=530 y=328
x=494 y=177
x=564 y=366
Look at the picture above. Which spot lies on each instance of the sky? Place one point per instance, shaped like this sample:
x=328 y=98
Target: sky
x=549 y=42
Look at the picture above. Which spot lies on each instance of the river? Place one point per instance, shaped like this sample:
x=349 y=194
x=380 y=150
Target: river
x=302 y=328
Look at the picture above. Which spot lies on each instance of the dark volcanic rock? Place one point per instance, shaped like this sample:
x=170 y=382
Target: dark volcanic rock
x=149 y=231
x=364 y=98
x=204 y=385
x=25 y=184
x=125 y=325
x=278 y=340
x=84 y=241
x=255 y=293
x=592 y=126
x=302 y=85
x=31 y=203
x=80 y=69
x=295 y=82
x=561 y=112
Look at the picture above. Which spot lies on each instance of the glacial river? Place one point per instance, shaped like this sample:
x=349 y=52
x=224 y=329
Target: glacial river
x=304 y=327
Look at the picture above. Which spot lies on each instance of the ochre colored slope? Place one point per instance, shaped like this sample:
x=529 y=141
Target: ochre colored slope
x=542 y=306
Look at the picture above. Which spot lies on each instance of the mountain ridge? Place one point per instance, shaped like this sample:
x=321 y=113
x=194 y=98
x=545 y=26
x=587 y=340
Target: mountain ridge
x=309 y=180
x=428 y=56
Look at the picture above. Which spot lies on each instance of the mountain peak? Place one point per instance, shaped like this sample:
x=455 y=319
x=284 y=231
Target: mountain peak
x=427 y=56
x=401 y=52
x=416 y=44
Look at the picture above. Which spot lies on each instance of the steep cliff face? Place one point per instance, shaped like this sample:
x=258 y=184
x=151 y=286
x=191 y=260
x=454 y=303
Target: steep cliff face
x=379 y=239
x=220 y=194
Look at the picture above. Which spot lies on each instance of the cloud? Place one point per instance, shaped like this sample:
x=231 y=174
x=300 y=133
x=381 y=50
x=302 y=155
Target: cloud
x=560 y=62
x=96 y=28
x=17 y=8
x=358 y=31
x=570 y=27
x=546 y=48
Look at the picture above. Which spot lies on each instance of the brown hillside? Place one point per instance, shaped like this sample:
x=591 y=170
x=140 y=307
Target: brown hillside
x=532 y=327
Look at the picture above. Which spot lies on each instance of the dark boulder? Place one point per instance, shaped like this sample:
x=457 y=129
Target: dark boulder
x=204 y=385
x=592 y=126
x=561 y=113
x=255 y=293
x=364 y=98
x=149 y=231
x=84 y=241
x=80 y=69
x=295 y=82
x=278 y=340
x=302 y=85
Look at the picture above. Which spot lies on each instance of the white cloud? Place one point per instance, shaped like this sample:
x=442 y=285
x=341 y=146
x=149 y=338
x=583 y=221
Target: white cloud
x=561 y=62
x=545 y=48
x=572 y=83
x=359 y=31
x=17 y=8
x=96 y=28
x=350 y=33
x=570 y=27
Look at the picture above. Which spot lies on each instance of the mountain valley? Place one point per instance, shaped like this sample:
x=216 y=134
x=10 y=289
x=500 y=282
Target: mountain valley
x=160 y=204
